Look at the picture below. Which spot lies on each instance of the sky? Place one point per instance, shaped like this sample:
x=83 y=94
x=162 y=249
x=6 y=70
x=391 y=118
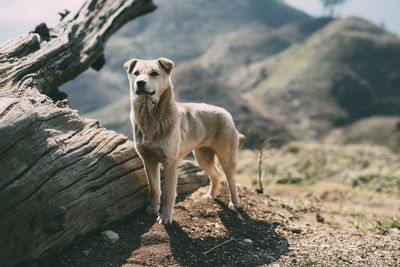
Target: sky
x=20 y=16
x=382 y=12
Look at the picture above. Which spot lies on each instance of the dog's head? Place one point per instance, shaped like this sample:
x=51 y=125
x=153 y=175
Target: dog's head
x=149 y=78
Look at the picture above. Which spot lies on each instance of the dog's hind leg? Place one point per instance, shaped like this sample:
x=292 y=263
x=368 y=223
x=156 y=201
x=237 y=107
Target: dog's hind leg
x=227 y=159
x=206 y=158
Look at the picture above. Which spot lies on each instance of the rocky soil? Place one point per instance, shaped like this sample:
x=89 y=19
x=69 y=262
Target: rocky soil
x=208 y=233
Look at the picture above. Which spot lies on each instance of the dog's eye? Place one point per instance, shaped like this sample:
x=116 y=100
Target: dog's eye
x=154 y=74
x=136 y=73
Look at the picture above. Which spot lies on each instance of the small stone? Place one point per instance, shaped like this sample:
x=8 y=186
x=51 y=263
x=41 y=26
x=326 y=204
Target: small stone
x=358 y=258
x=248 y=241
x=295 y=230
x=325 y=246
x=320 y=219
x=395 y=231
x=85 y=252
x=110 y=236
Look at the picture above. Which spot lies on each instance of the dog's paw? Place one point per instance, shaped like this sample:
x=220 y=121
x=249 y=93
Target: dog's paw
x=208 y=196
x=232 y=205
x=153 y=209
x=165 y=218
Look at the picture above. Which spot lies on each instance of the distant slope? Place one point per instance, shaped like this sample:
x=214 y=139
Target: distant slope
x=179 y=29
x=378 y=130
x=277 y=70
x=93 y=90
x=183 y=30
x=231 y=56
x=348 y=70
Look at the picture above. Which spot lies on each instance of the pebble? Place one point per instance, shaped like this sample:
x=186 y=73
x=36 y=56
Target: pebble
x=295 y=230
x=395 y=231
x=358 y=258
x=248 y=241
x=325 y=246
x=110 y=236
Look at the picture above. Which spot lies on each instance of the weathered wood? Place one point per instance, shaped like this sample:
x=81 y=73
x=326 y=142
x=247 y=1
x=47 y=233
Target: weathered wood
x=62 y=175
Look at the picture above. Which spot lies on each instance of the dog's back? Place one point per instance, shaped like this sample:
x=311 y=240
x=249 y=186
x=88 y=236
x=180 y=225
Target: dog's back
x=207 y=125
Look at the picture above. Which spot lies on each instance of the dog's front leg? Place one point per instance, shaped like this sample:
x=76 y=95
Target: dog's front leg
x=152 y=169
x=169 y=191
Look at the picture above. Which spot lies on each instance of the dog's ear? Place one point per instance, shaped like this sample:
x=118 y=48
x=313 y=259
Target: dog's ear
x=166 y=64
x=130 y=64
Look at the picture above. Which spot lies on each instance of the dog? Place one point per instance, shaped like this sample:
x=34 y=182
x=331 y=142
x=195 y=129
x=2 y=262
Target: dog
x=164 y=131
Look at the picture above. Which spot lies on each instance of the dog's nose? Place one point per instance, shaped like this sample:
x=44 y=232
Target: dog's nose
x=141 y=83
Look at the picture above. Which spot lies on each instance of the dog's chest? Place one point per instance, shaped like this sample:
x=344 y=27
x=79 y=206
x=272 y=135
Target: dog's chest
x=151 y=150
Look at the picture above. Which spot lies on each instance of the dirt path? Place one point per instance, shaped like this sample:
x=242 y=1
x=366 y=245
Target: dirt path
x=208 y=233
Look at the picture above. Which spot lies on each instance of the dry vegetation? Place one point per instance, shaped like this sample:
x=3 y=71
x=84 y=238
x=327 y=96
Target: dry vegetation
x=352 y=185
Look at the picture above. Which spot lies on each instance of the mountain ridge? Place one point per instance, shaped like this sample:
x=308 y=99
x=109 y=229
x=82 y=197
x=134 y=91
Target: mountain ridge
x=299 y=79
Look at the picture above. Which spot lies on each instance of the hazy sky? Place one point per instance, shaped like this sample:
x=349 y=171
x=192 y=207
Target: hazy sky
x=20 y=16
x=377 y=11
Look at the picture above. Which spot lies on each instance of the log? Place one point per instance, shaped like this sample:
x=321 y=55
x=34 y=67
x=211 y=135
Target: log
x=62 y=175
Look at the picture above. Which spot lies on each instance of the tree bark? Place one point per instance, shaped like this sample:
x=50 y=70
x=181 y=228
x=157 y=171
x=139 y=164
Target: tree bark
x=62 y=175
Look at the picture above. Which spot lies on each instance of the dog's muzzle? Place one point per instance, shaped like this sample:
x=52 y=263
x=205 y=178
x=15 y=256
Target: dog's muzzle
x=142 y=91
x=141 y=88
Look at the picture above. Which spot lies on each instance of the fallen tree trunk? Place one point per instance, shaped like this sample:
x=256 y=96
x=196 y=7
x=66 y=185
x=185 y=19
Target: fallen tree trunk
x=62 y=175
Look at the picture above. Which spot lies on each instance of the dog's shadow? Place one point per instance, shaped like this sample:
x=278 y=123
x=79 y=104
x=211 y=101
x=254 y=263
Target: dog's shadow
x=248 y=242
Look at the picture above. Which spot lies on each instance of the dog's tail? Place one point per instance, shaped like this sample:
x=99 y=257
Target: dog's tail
x=242 y=139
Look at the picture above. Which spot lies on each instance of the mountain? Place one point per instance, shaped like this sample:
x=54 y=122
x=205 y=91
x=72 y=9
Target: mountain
x=280 y=72
x=348 y=70
x=183 y=30
x=379 y=130
x=179 y=29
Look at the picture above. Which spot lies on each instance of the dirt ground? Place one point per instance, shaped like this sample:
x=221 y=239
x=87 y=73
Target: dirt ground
x=208 y=233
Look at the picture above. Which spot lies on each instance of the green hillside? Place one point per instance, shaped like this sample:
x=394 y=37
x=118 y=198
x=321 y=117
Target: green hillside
x=348 y=70
x=379 y=130
x=179 y=29
x=232 y=55
x=183 y=30
x=281 y=73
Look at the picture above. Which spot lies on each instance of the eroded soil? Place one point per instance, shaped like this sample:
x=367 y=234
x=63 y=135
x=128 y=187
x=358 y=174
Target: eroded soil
x=208 y=233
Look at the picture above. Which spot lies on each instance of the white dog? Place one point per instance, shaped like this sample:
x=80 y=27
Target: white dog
x=164 y=131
